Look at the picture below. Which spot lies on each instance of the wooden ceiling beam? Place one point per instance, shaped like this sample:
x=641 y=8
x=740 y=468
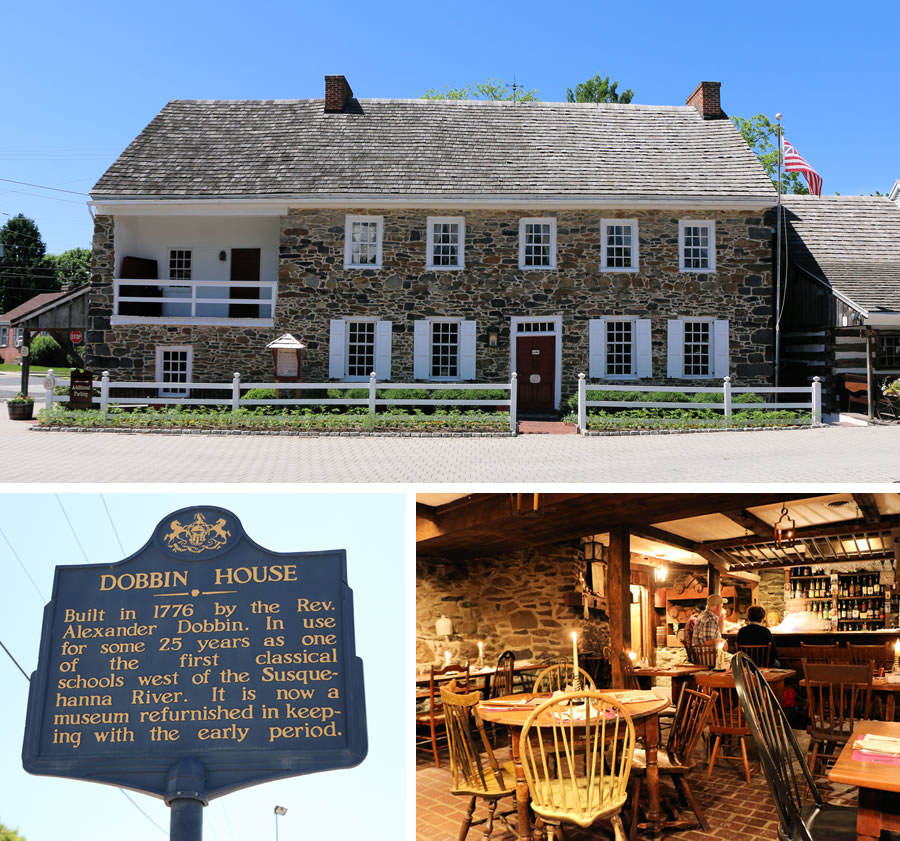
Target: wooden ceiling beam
x=662 y=536
x=747 y=520
x=868 y=506
x=848 y=528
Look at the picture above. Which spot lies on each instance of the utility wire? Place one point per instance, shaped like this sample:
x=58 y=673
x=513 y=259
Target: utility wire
x=115 y=531
x=136 y=806
x=15 y=661
x=83 y=553
x=42 y=187
x=24 y=568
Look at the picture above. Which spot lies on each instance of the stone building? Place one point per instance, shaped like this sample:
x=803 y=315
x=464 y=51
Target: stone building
x=436 y=241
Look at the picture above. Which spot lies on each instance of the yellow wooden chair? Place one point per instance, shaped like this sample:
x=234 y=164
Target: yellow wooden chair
x=557 y=677
x=576 y=752
x=469 y=776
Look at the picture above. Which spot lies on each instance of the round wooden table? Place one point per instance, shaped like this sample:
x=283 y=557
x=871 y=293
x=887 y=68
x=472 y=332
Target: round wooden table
x=645 y=716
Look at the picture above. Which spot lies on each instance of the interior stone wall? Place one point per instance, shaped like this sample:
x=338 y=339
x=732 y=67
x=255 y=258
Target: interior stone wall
x=512 y=601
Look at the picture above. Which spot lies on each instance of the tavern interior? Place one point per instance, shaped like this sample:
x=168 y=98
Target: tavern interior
x=521 y=572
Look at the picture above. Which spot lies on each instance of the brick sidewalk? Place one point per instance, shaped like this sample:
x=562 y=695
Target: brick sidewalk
x=836 y=454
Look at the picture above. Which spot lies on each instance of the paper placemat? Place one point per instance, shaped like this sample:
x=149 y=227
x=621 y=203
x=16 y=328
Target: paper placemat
x=877 y=758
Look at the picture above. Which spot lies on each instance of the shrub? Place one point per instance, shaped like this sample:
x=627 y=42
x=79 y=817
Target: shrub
x=46 y=351
x=259 y=394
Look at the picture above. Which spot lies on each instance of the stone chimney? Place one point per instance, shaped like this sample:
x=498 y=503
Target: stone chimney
x=337 y=94
x=705 y=99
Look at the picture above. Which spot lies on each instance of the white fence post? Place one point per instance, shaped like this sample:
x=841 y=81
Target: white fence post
x=104 y=392
x=513 y=401
x=371 y=400
x=726 y=389
x=582 y=399
x=816 y=400
x=236 y=392
x=49 y=385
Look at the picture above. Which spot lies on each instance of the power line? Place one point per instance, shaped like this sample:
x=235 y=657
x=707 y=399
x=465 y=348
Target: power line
x=15 y=661
x=133 y=803
x=83 y=553
x=43 y=187
x=24 y=568
x=115 y=531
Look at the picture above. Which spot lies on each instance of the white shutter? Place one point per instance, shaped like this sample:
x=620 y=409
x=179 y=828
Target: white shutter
x=467 y=350
x=720 y=346
x=675 y=350
x=337 y=349
x=383 y=338
x=643 y=348
x=597 y=348
x=421 y=349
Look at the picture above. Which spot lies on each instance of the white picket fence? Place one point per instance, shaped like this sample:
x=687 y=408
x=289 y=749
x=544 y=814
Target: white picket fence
x=372 y=401
x=814 y=405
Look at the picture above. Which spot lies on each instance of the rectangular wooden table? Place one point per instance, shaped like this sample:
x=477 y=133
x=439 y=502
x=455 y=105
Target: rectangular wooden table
x=681 y=675
x=879 y=784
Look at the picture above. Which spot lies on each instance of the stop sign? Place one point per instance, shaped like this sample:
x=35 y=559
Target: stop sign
x=75 y=337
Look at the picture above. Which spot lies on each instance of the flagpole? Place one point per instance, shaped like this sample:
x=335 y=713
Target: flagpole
x=778 y=261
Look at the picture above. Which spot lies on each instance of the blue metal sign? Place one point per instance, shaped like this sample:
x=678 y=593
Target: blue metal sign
x=200 y=665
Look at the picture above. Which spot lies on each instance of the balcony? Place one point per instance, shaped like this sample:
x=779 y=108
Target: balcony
x=232 y=303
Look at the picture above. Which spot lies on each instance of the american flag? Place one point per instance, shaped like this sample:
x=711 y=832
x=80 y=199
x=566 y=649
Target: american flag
x=794 y=163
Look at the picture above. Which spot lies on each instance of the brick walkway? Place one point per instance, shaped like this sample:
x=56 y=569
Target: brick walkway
x=838 y=454
x=736 y=811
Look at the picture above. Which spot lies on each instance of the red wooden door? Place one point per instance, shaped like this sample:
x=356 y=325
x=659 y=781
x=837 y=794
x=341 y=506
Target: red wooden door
x=536 y=367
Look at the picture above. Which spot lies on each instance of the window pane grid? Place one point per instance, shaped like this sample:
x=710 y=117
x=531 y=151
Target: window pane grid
x=619 y=356
x=179 y=264
x=618 y=246
x=696 y=247
x=890 y=352
x=535 y=327
x=364 y=243
x=444 y=349
x=175 y=369
x=537 y=244
x=360 y=348
x=445 y=244
x=696 y=349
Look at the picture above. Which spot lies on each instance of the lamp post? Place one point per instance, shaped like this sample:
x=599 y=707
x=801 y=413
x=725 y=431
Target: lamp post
x=279 y=810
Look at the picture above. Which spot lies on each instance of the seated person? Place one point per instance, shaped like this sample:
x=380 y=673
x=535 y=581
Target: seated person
x=756 y=633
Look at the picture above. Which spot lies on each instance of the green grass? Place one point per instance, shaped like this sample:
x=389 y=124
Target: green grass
x=34 y=370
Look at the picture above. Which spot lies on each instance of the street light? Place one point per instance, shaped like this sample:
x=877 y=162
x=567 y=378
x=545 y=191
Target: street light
x=279 y=810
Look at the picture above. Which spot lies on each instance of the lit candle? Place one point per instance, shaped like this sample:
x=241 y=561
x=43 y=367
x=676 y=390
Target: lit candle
x=633 y=656
x=480 y=654
x=575 y=654
x=720 y=656
x=446 y=658
x=896 y=669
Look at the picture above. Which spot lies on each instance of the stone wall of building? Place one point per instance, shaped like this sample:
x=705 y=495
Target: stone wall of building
x=513 y=601
x=314 y=287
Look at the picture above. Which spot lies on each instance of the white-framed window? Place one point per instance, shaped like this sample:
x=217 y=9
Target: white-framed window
x=444 y=349
x=446 y=242
x=696 y=245
x=358 y=346
x=18 y=336
x=698 y=348
x=620 y=245
x=537 y=243
x=173 y=365
x=619 y=348
x=888 y=351
x=4 y=336
x=362 y=242
x=180 y=263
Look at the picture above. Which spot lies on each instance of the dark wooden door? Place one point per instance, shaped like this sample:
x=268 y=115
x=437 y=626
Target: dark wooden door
x=536 y=367
x=244 y=266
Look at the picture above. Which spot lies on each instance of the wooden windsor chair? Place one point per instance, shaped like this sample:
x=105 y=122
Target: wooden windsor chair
x=759 y=654
x=430 y=725
x=726 y=724
x=823 y=653
x=557 y=677
x=576 y=754
x=469 y=776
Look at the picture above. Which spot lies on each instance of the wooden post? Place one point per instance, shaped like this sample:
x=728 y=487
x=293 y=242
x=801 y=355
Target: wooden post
x=619 y=596
x=714 y=580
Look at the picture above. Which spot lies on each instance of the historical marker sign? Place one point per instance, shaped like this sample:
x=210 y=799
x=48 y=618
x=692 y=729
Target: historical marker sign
x=203 y=662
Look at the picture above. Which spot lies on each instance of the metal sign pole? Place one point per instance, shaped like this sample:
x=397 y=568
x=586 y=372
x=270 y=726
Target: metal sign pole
x=184 y=797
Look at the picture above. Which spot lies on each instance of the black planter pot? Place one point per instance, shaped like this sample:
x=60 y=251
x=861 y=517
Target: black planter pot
x=20 y=411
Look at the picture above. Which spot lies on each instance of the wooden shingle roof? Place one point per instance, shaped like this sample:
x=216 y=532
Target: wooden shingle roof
x=850 y=242
x=201 y=149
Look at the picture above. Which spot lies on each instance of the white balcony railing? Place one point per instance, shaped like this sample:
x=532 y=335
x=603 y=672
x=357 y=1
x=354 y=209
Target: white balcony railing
x=232 y=302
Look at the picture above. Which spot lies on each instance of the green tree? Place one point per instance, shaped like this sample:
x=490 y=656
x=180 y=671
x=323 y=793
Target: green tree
x=491 y=89
x=72 y=266
x=7 y=834
x=598 y=89
x=23 y=272
x=761 y=136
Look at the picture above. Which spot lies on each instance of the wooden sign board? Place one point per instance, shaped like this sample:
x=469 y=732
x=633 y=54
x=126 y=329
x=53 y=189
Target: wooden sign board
x=287 y=362
x=81 y=389
x=203 y=651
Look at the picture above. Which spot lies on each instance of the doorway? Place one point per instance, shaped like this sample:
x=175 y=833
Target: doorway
x=244 y=266
x=536 y=367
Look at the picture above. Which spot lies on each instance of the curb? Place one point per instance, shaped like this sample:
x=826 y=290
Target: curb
x=597 y=433
x=271 y=432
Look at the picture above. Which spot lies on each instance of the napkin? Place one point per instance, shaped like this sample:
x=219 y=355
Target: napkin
x=884 y=745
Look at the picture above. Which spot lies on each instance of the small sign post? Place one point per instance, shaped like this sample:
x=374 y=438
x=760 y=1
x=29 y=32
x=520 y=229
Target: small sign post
x=76 y=337
x=81 y=389
x=199 y=666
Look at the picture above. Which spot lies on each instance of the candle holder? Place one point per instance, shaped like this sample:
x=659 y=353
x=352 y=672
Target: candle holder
x=720 y=658
x=895 y=669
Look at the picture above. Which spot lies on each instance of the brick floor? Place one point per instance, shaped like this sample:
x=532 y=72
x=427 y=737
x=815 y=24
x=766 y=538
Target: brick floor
x=736 y=811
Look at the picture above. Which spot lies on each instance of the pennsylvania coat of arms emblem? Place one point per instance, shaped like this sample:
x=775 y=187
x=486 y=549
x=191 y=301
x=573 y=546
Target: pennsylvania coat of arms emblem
x=197 y=536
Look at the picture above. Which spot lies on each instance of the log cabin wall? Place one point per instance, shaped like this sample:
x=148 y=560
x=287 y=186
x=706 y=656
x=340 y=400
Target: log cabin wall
x=513 y=601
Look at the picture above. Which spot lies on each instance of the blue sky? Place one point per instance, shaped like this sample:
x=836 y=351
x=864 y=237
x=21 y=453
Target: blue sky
x=81 y=80
x=36 y=535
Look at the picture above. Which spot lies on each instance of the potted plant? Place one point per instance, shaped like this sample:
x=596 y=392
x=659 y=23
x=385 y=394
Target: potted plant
x=21 y=407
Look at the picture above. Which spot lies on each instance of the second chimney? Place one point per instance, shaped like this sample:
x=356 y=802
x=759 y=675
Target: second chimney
x=705 y=99
x=337 y=94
